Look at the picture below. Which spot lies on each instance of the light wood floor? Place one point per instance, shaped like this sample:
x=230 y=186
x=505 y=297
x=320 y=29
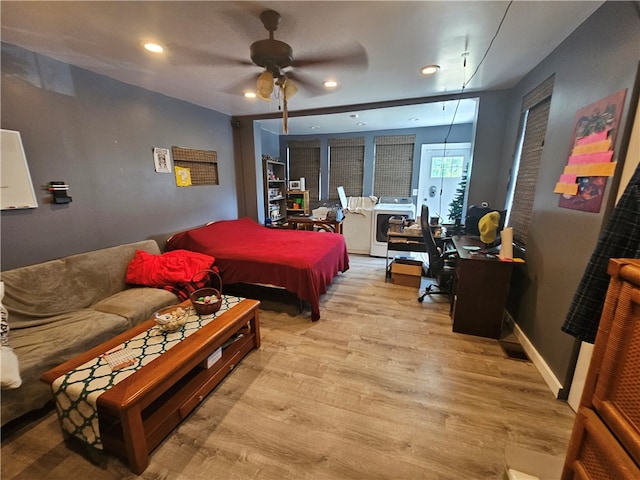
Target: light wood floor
x=379 y=388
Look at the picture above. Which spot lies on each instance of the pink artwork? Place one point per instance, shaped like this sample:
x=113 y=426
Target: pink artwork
x=584 y=179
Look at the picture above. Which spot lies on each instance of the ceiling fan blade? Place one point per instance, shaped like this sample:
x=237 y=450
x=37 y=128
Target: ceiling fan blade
x=189 y=56
x=246 y=83
x=310 y=85
x=354 y=56
x=245 y=18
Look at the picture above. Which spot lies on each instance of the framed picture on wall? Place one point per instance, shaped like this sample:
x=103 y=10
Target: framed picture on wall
x=162 y=160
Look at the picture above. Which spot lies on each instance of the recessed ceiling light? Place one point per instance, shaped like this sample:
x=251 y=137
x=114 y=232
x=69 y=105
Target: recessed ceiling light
x=314 y=127
x=153 y=47
x=361 y=124
x=330 y=84
x=413 y=119
x=250 y=94
x=429 y=69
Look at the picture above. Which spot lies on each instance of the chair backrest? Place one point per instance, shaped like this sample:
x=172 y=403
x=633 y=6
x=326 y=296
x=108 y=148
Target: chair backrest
x=436 y=259
x=475 y=213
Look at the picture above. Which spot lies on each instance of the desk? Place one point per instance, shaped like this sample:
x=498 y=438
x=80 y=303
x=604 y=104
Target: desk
x=480 y=289
x=310 y=223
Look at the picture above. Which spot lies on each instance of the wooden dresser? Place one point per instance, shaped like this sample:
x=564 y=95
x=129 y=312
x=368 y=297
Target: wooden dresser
x=605 y=443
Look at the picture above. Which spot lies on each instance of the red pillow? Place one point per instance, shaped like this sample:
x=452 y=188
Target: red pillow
x=171 y=268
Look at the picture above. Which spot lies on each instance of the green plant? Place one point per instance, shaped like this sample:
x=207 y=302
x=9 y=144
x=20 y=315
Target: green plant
x=455 y=207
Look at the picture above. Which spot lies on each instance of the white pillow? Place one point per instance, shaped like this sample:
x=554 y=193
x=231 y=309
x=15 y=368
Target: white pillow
x=9 y=368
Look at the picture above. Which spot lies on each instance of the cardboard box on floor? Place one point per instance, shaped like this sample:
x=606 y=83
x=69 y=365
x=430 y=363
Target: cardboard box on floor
x=523 y=464
x=407 y=275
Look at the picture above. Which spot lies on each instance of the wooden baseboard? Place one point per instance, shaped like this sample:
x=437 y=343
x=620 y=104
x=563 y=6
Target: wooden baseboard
x=547 y=374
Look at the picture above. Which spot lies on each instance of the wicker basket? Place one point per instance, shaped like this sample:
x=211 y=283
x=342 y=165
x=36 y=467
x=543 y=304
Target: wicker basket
x=196 y=296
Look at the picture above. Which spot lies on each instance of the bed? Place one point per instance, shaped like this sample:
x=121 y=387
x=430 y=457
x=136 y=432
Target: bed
x=303 y=262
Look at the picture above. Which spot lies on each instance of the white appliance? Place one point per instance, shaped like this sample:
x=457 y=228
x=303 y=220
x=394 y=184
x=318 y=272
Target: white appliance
x=356 y=225
x=386 y=208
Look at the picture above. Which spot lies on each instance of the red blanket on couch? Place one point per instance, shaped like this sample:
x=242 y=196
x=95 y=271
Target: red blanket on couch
x=173 y=271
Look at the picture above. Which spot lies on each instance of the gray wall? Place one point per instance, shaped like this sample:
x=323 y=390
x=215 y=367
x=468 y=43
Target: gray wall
x=97 y=135
x=598 y=59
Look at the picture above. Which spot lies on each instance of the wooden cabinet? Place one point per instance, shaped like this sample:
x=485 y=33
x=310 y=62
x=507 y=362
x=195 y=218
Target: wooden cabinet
x=275 y=181
x=298 y=202
x=605 y=442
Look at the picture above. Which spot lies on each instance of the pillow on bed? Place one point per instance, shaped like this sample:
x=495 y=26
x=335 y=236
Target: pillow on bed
x=170 y=268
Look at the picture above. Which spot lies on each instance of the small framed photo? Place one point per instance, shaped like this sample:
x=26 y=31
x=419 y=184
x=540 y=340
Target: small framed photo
x=161 y=160
x=295 y=185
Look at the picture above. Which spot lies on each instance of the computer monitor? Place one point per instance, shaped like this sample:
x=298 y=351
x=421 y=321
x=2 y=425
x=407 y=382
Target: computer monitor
x=343 y=197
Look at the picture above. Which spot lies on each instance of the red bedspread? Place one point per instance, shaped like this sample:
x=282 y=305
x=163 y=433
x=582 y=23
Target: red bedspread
x=303 y=262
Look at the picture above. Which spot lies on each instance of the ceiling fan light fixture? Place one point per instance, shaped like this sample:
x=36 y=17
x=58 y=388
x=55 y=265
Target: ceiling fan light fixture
x=289 y=88
x=429 y=69
x=265 y=86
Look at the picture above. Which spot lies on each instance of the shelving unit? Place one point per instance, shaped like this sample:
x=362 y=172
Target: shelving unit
x=298 y=202
x=275 y=181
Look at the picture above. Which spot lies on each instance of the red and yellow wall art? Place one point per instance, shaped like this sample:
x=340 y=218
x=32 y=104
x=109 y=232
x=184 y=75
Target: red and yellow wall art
x=590 y=162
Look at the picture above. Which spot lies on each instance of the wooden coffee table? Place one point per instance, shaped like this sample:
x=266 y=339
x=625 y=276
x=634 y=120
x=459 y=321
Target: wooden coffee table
x=137 y=413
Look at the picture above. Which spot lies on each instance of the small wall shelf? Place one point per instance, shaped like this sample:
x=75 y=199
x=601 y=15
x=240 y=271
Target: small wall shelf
x=298 y=202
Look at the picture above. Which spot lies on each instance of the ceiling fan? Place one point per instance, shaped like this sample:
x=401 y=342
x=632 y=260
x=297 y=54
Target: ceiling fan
x=275 y=56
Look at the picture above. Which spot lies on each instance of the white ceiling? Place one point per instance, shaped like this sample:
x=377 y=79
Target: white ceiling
x=398 y=38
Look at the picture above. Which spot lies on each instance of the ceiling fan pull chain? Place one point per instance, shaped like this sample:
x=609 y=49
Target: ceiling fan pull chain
x=285 y=115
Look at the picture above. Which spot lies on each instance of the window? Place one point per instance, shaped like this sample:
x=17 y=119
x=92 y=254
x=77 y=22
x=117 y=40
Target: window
x=535 y=106
x=393 y=165
x=304 y=161
x=346 y=166
x=446 y=167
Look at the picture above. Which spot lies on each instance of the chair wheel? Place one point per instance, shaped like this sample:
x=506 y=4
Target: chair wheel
x=421 y=299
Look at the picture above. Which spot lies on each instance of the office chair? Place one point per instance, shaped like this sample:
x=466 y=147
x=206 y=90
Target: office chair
x=475 y=213
x=441 y=262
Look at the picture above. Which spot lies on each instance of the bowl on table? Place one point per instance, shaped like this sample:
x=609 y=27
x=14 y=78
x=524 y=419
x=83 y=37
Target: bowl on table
x=171 y=318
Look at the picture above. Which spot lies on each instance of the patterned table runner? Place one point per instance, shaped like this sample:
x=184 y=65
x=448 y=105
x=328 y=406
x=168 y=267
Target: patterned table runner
x=76 y=393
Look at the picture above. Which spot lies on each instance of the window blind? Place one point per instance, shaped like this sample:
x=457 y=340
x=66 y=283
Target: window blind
x=346 y=166
x=304 y=161
x=537 y=103
x=393 y=165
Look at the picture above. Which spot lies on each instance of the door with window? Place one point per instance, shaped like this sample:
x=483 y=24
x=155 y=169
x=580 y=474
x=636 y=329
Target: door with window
x=441 y=170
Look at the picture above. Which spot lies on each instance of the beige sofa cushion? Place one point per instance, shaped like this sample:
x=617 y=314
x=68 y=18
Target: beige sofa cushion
x=35 y=293
x=42 y=347
x=136 y=304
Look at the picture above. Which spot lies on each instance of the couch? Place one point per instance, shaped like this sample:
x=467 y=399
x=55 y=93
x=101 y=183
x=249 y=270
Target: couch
x=60 y=308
